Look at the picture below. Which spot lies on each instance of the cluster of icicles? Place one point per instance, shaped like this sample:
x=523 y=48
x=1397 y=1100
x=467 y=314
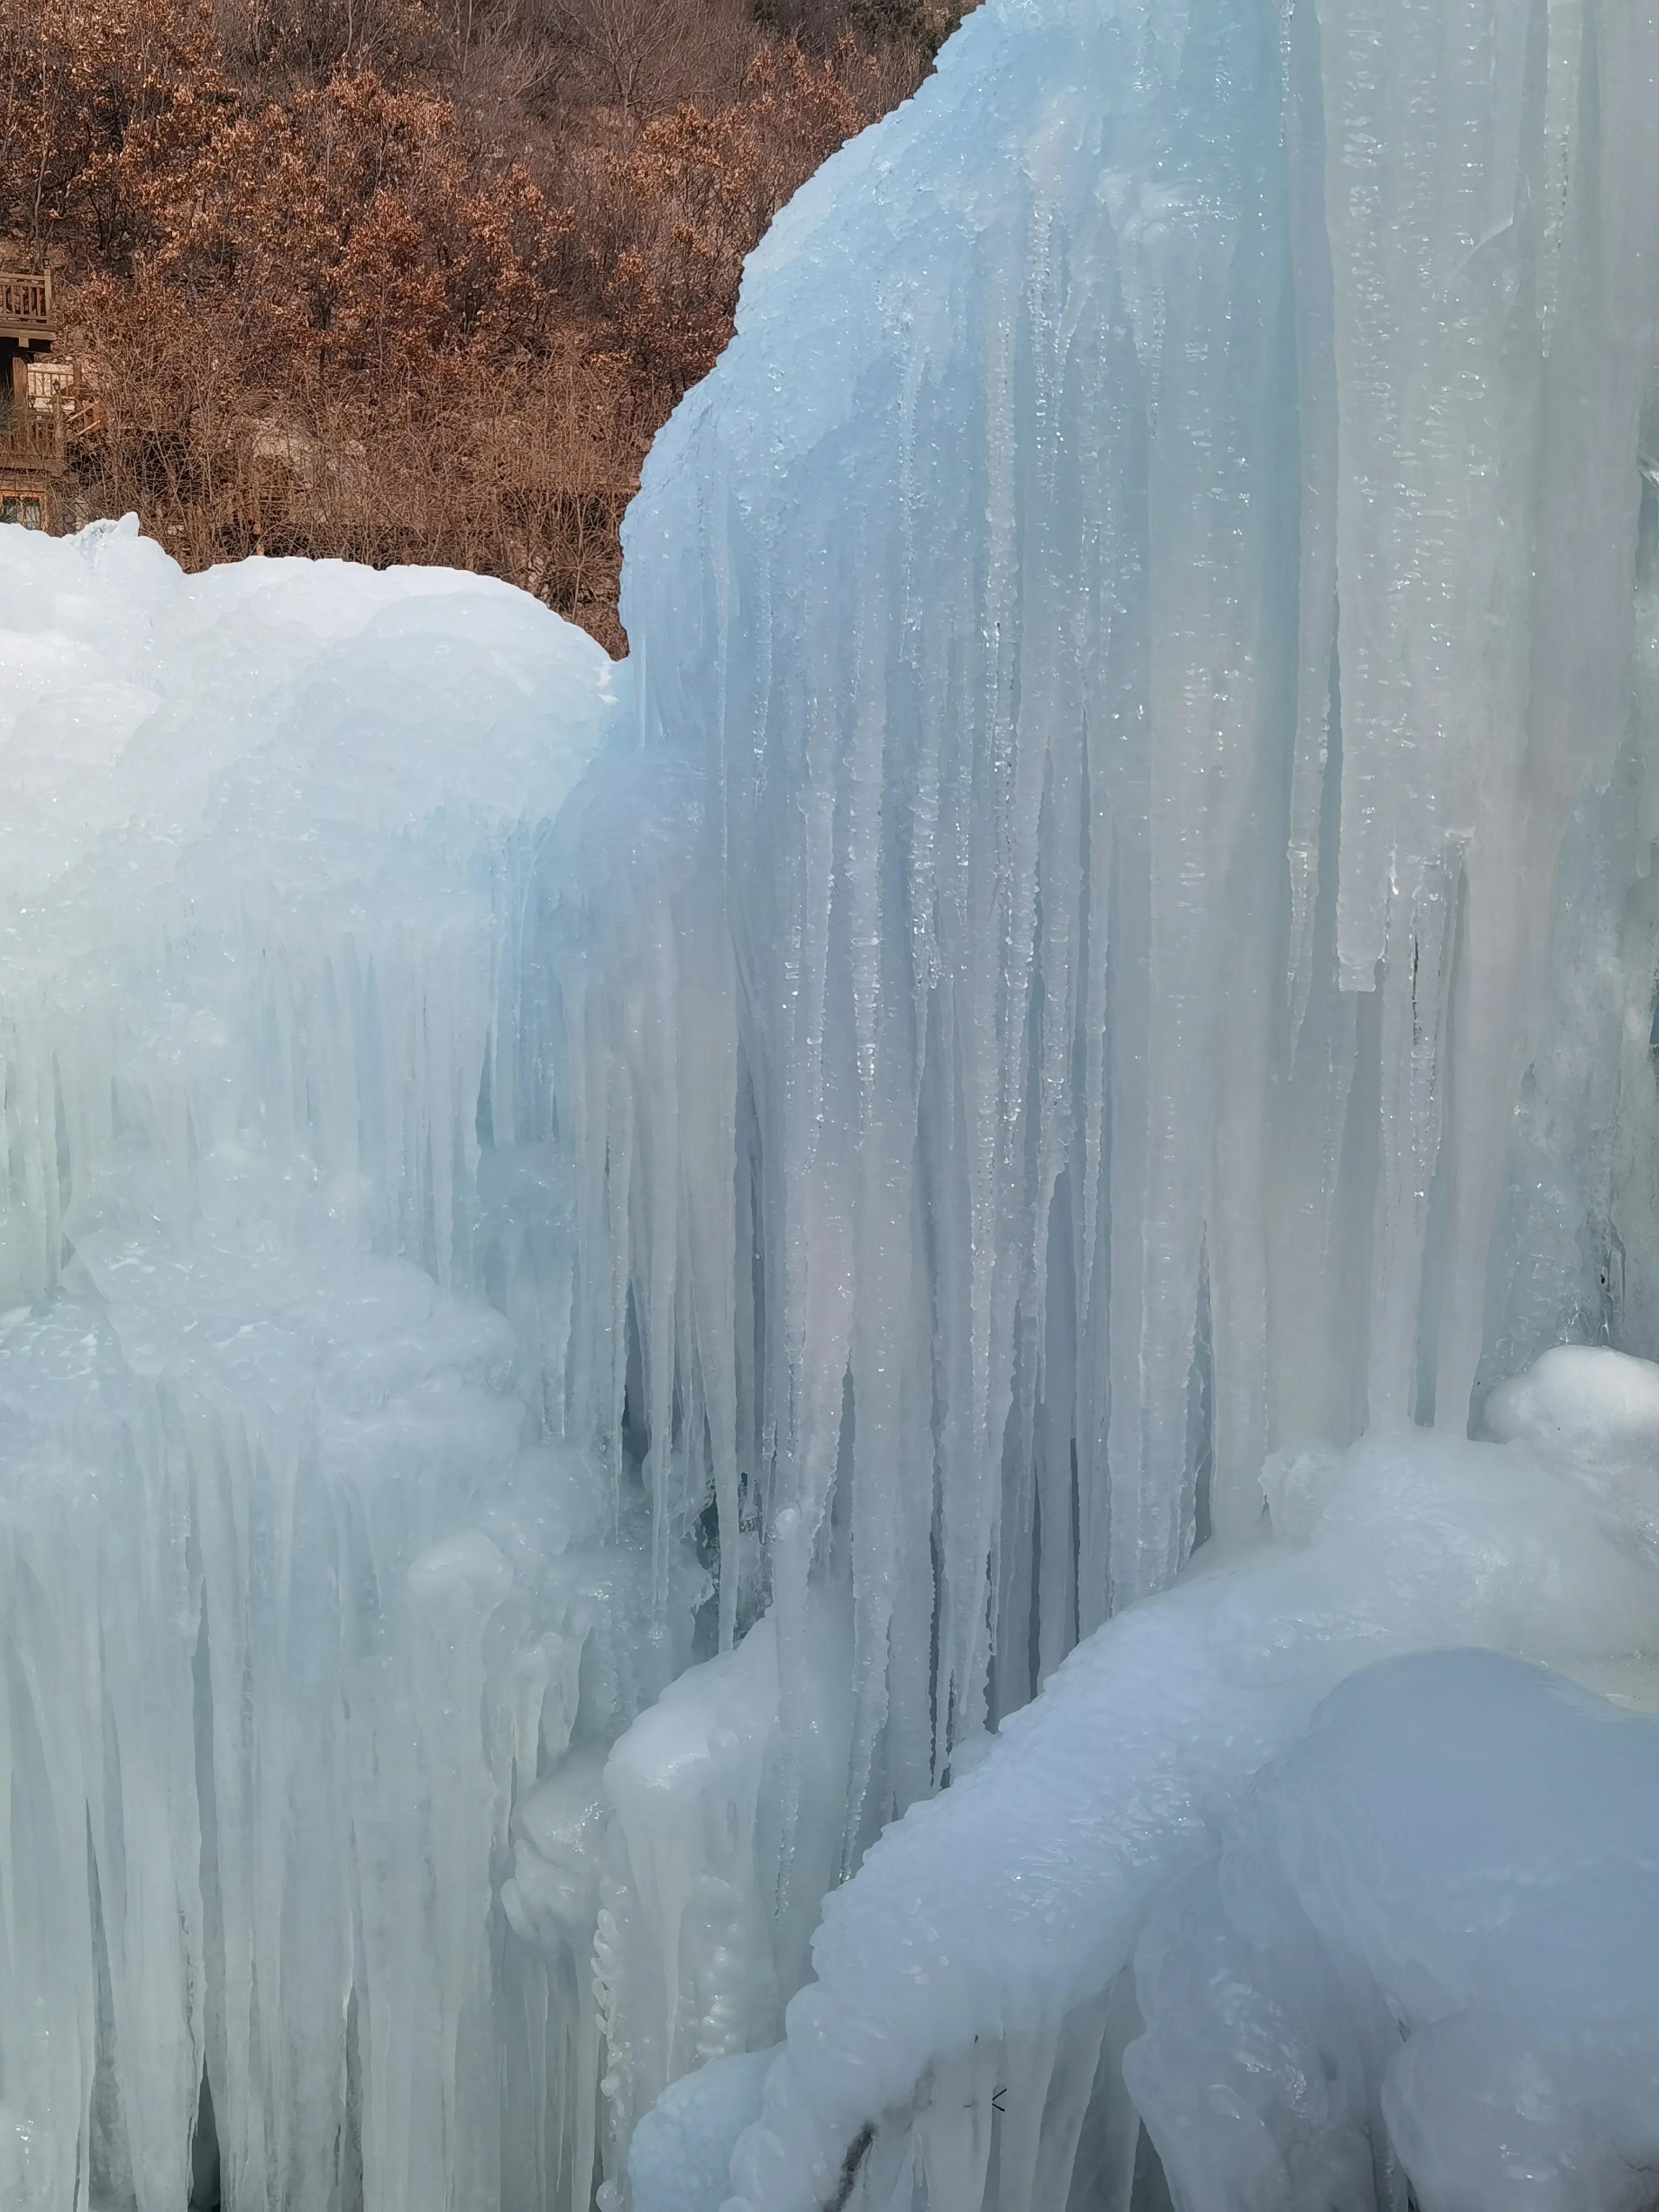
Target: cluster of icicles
x=603 y=1269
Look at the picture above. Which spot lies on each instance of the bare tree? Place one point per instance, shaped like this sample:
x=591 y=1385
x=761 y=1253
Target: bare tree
x=640 y=56
x=500 y=63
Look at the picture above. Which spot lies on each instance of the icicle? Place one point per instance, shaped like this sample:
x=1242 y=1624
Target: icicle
x=291 y=1612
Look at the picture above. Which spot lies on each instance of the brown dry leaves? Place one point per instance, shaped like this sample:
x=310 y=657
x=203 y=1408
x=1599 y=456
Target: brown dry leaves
x=325 y=310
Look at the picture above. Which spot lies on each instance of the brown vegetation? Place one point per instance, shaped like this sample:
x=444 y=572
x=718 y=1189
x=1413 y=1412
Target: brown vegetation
x=412 y=280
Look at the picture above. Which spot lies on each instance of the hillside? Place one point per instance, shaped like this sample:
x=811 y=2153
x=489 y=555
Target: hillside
x=410 y=280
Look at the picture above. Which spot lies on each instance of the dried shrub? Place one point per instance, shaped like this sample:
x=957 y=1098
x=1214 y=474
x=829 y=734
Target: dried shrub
x=701 y=189
x=520 y=469
x=404 y=280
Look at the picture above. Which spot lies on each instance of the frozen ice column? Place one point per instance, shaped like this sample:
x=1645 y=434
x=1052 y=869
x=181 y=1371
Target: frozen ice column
x=1128 y=594
x=301 y=1583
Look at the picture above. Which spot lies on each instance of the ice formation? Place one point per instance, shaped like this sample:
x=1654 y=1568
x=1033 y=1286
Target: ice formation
x=1148 y=592
x=604 y=1270
x=301 y=1581
x=1425 y=1952
x=1159 y=595
x=1096 y=1796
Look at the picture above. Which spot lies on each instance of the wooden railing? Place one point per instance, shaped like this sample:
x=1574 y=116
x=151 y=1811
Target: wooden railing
x=32 y=437
x=25 y=302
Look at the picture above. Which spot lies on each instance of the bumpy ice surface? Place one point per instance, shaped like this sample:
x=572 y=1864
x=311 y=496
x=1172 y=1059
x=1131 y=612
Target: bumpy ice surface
x=1440 y=1910
x=299 y=1582
x=1103 y=944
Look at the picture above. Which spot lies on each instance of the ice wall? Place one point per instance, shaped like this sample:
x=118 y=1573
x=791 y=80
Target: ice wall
x=1106 y=935
x=303 y=1585
x=1148 y=599
x=1148 y=594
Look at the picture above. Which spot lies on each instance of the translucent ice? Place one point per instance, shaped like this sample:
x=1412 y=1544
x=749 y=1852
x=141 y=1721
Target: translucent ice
x=301 y=1581
x=966 y=1977
x=1428 y=1951
x=707 y=1918
x=1145 y=608
x=1145 y=603
x=680 y=2152
x=1103 y=942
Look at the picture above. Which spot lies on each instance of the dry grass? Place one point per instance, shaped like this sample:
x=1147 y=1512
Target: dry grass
x=522 y=471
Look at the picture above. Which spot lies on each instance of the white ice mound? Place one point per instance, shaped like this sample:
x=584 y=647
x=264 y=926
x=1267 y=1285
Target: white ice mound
x=1428 y=1950
x=259 y=836
x=1587 y=1413
x=680 y=2156
x=974 y=1954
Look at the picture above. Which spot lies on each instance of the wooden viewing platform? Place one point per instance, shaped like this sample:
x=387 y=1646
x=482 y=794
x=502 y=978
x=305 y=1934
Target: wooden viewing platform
x=34 y=420
x=26 y=307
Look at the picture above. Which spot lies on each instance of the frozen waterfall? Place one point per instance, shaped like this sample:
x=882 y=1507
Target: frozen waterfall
x=301 y=1581
x=742 y=1398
